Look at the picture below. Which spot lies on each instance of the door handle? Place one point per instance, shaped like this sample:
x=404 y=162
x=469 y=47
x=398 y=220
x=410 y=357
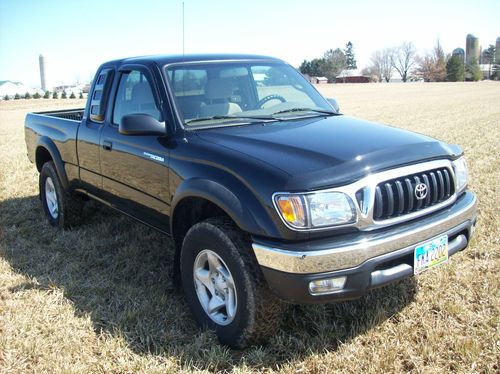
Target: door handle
x=106 y=145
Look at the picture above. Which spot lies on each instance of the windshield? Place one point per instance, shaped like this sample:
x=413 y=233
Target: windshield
x=223 y=93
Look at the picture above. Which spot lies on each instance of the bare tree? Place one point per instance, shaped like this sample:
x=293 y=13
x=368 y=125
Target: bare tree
x=382 y=64
x=403 y=59
x=432 y=67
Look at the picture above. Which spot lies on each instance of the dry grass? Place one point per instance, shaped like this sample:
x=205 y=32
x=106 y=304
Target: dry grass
x=99 y=298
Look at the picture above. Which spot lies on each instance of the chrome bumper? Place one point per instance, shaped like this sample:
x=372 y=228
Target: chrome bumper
x=352 y=250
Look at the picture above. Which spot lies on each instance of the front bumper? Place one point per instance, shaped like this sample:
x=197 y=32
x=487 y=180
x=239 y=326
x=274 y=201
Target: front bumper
x=368 y=260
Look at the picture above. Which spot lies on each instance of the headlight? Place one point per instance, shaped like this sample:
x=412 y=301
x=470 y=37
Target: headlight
x=460 y=167
x=315 y=210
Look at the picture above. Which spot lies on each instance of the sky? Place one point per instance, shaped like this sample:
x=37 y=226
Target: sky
x=77 y=36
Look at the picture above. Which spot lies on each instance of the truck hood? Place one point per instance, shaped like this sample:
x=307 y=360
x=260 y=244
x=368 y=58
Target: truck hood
x=329 y=151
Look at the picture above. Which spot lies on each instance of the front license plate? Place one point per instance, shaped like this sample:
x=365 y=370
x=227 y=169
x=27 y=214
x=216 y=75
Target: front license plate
x=430 y=254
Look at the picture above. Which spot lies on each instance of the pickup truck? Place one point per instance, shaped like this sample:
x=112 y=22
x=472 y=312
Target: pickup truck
x=270 y=194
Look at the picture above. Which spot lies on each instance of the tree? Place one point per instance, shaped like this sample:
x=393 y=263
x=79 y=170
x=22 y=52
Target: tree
x=489 y=59
x=27 y=95
x=314 y=68
x=54 y=95
x=350 y=59
x=72 y=96
x=454 y=70
x=472 y=70
x=6 y=97
x=17 y=96
x=63 y=95
x=37 y=95
x=432 y=67
x=382 y=64
x=334 y=63
x=81 y=95
x=46 y=95
x=403 y=59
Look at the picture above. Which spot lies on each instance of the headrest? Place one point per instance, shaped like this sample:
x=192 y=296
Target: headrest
x=218 y=89
x=141 y=92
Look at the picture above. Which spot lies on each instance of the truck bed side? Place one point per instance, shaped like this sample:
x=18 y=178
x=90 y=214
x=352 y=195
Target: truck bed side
x=56 y=129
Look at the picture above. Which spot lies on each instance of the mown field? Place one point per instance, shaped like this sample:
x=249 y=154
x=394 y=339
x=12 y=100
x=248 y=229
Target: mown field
x=99 y=298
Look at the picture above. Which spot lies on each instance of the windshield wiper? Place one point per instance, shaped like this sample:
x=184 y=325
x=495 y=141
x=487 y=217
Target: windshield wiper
x=291 y=110
x=218 y=117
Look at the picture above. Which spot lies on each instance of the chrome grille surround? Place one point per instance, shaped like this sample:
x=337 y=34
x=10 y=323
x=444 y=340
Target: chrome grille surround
x=362 y=194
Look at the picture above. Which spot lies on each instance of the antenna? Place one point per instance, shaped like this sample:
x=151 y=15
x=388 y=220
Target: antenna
x=183 y=28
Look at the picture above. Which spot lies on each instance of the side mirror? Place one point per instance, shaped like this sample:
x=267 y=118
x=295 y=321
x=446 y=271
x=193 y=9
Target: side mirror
x=334 y=104
x=141 y=124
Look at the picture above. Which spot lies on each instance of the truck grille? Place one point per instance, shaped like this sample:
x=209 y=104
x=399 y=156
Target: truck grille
x=397 y=197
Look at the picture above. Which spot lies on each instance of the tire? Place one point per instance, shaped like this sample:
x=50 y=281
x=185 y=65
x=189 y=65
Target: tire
x=62 y=209
x=257 y=313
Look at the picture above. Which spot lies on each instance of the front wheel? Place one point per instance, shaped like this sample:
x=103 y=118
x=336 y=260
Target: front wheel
x=224 y=287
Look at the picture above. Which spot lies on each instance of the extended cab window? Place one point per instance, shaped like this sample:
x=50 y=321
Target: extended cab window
x=134 y=96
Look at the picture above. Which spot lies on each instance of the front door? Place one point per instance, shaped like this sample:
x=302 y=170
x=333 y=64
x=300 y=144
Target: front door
x=135 y=167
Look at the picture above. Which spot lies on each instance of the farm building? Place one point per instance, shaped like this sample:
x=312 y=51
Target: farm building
x=319 y=80
x=9 y=88
x=351 y=76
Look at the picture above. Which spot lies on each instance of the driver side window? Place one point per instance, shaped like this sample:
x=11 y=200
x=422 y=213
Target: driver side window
x=134 y=96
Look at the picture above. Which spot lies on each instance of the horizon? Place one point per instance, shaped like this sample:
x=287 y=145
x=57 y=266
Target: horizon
x=76 y=38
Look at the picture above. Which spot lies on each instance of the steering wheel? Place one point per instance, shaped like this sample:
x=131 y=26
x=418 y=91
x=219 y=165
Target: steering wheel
x=269 y=98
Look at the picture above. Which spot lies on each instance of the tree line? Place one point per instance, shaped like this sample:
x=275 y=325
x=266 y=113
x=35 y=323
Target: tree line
x=403 y=61
x=331 y=64
x=47 y=95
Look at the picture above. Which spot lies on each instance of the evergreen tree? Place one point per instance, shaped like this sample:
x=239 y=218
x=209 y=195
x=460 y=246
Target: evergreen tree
x=63 y=95
x=27 y=95
x=350 y=59
x=6 y=97
x=72 y=96
x=81 y=95
x=37 y=95
x=46 y=95
x=55 y=95
x=474 y=73
x=17 y=96
x=454 y=70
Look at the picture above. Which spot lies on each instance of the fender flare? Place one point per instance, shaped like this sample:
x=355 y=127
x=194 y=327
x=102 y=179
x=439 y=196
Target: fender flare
x=248 y=215
x=49 y=145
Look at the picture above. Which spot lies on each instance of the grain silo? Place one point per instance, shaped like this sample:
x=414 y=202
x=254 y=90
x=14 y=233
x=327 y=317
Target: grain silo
x=43 y=72
x=472 y=50
x=460 y=53
x=497 y=51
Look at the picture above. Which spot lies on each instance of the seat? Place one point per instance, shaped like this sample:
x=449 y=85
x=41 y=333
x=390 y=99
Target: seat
x=217 y=95
x=142 y=100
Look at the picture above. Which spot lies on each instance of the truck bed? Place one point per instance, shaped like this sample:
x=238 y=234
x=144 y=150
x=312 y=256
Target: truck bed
x=60 y=126
x=72 y=114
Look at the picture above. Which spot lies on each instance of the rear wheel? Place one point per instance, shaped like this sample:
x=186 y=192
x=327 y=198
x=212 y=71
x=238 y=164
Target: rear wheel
x=224 y=286
x=61 y=208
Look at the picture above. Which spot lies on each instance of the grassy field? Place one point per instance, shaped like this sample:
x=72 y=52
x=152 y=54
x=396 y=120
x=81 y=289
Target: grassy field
x=99 y=298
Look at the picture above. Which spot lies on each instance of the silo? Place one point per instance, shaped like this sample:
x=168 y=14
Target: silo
x=460 y=53
x=497 y=51
x=43 y=72
x=472 y=49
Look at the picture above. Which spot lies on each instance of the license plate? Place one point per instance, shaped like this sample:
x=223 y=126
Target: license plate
x=430 y=254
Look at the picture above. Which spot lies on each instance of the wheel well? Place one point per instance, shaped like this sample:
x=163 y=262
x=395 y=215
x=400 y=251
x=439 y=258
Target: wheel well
x=41 y=157
x=189 y=212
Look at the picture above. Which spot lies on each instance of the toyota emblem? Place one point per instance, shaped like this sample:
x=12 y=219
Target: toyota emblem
x=421 y=191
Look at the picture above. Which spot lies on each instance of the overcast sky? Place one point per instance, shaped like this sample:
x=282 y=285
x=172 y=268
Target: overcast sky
x=76 y=36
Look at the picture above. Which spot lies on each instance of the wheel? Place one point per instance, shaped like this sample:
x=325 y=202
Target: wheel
x=61 y=208
x=269 y=98
x=224 y=286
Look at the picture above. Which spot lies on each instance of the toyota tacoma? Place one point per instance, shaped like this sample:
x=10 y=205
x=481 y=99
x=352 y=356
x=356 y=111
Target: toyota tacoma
x=269 y=193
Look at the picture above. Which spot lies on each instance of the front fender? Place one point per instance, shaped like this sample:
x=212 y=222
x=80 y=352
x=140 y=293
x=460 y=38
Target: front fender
x=236 y=201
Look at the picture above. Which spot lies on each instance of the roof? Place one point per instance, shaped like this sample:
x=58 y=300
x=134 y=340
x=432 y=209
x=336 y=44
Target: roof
x=171 y=59
x=350 y=73
x=321 y=78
